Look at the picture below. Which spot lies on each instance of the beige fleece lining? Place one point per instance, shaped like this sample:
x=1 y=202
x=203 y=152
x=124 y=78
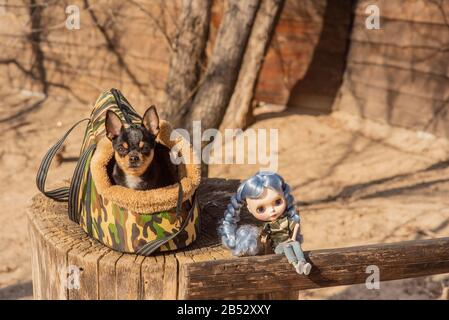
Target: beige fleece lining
x=145 y=201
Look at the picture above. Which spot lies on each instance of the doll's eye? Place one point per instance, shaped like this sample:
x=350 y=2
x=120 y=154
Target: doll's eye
x=278 y=202
x=261 y=209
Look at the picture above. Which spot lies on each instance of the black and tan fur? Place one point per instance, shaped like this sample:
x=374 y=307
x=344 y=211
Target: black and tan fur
x=141 y=163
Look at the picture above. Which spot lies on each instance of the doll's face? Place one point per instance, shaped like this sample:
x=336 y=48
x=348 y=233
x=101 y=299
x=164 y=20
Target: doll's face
x=268 y=207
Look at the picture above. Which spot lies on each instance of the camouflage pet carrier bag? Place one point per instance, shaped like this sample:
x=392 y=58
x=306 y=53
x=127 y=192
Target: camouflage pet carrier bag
x=126 y=220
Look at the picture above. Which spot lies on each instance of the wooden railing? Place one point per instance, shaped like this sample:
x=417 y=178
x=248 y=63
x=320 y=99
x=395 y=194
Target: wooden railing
x=331 y=267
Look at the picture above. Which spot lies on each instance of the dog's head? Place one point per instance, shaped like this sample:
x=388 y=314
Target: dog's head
x=133 y=146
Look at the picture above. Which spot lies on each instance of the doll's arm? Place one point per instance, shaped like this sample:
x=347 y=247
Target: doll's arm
x=295 y=232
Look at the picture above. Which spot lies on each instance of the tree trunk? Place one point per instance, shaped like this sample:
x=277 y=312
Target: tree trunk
x=186 y=59
x=215 y=90
x=240 y=106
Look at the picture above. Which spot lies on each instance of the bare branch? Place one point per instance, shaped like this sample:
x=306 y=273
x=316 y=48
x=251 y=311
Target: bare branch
x=111 y=45
x=162 y=29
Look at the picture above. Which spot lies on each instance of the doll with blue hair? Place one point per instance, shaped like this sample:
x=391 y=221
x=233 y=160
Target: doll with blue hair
x=268 y=199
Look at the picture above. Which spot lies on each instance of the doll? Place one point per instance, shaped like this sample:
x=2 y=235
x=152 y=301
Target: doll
x=268 y=199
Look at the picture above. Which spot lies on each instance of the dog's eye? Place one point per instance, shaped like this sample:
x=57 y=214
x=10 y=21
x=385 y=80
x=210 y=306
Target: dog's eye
x=121 y=149
x=143 y=146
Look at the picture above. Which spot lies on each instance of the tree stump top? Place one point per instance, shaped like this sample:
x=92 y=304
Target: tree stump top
x=61 y=248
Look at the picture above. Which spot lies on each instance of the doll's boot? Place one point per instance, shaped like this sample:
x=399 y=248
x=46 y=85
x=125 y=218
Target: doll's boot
x=298 y=267
x=305 y=267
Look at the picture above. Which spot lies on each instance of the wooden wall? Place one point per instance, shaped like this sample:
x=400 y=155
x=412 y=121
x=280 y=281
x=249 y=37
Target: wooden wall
x=399 y=74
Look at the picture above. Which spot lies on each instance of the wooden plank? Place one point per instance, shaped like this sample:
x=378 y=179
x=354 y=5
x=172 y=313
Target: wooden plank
x=58 y=244
x=170 y=282
x=106 y=276
x=332 y=267
x=183 y=282
x=415 y=59
x=127 y=272
x=218 y=252
x=87 y=276
x=398 y=74
x=395 y=108
x=152 y=271
x=401 y=33
x=202 y=254
x=50 y=242
x=423 y=85
x=417 y=11
x=56 y=267
x=35 y=265
x=93 y=256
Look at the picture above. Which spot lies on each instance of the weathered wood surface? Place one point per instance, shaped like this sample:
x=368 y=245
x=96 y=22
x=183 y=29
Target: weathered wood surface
x=204 y=270
x=60 y=246
x=399 y=73
x=333 y=267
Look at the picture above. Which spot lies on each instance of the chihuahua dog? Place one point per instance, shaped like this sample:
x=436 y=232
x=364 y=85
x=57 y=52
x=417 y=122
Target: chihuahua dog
x=141 y=163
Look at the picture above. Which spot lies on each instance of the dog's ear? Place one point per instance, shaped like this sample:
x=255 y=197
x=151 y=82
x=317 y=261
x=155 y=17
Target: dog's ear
x=151 y=120
x=113 y=124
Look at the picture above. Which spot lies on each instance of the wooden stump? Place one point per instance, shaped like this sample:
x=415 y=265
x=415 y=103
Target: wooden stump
x=68 y=264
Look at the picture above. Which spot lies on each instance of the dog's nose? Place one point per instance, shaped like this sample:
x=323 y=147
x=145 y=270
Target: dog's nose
x=133 y=158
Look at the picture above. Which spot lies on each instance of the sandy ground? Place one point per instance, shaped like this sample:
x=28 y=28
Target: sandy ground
x=354 y=186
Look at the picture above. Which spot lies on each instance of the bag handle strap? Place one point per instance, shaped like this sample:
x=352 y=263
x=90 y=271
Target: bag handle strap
x=152 y=246
x=74 y=191
x=123 y=107
x=60 y=194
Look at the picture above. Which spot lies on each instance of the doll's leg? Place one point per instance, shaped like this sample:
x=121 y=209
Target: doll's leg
x=303 y=264
x=289 y=252
x=298 y=251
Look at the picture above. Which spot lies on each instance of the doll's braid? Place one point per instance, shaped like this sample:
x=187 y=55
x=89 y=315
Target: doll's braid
x=229 y=222
x=290 y=209
x=243 y=240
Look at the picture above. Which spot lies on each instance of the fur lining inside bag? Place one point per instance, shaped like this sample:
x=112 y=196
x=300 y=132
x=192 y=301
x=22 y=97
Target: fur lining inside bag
x=136 y=221
x=144 y=200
